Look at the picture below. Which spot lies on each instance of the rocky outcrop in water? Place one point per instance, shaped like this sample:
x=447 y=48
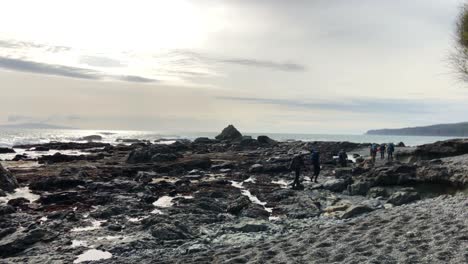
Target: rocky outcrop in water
x=230 y=133
x=8 y=181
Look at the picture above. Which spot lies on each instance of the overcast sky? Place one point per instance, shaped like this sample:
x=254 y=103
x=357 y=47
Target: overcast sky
x=299 y=66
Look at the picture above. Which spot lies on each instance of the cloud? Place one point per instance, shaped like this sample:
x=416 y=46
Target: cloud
x=188 y=57
x=64 y=71
x=19 y=118
x=358 y=105
x=13 y=44
x=100 y=61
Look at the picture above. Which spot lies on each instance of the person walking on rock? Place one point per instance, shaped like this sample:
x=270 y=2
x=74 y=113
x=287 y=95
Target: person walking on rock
x=316 y=164
x=382 y=149
x=343 y=158
x=390 y=150
x=373 y=152
x=297 y=163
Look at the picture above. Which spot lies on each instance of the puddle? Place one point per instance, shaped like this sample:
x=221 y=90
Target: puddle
x=93 y=255
x=94 y=225
x=79 y=243
x=251 y=197
x=283 y=183
x=23 y=192
x=166 y=201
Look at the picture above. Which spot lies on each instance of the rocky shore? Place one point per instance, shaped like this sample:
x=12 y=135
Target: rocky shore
x=228 y=200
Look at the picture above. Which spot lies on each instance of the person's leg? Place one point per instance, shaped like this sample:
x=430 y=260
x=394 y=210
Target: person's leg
x=316 y=173
x=296 y=179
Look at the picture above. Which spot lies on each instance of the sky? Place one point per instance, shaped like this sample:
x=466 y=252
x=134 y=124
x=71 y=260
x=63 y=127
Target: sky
x=299 y=66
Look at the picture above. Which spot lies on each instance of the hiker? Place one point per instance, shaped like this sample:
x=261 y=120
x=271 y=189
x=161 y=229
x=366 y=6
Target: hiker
x=343 y=158
x=373 y=152
x=297 y=163
x=390 y=150
x=316 y=164
x=382 y=149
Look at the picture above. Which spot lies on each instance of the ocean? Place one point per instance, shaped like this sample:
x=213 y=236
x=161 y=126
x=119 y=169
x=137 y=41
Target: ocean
x=11 y=137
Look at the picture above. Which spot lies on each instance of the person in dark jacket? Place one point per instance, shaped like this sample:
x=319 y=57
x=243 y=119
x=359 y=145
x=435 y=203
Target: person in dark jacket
x=343 y=158
x=297 y=163
x=390 y=150
x=382 y=149
x=316 y=164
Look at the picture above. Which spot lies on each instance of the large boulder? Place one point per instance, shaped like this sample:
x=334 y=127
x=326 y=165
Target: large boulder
x=265 y=140
x=173 y=231
x=8 y=181
x=403 y=197
x=336 y=185
x=6 y=150
x=19 y=241
x=236 y=206
x=355 y=211
x=157 y=152
x=437 y=150
x=230 y=133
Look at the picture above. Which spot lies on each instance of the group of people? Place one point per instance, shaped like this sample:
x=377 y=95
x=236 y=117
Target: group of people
x=298 y=164
x=382 y=149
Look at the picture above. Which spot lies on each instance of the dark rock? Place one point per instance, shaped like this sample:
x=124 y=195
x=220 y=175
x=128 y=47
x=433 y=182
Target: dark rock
x=6 y=209
x=355 y=211
x=55 y=183
x=377 y=192
x=402 y=197
x=255 y=211
x=401 y=145
x=19 y=241
x=275 y=168
x=250 y=228
x=359 y=188
x=437 y=150
x=41 y=148
x=2 y=193
x=236 y=206
x=187 y=165
x=204 y=140
x=7 y=231
x=265 y=140
x=164 y=157
x=230 y=133
x=343 y=172
x=249 y=142
x=20 y=157
x=115 y=227
x=18 y=202
x=8 y=181
x=59 y=158
x=337 y=185
x=256 y=168
x=166 y=231
x=63 y=198
x=91 y=138
x=7 y=150
x=146 y=154
x=108 y=212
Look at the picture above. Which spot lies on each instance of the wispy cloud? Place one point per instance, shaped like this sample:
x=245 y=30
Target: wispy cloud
x=292 y=67
x=14 y=44
x=99 y=61
x=358 y=105
x=65 y=71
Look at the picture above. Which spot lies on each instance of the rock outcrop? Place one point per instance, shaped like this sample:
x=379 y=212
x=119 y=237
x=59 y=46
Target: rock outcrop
x=8 y=181
x=230 y=133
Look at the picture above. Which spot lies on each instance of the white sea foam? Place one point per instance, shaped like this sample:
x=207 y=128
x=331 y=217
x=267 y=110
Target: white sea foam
x=94 y=225
x=23 y=192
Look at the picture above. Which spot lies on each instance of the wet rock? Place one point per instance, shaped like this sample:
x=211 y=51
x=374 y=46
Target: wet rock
x=6 y=209
x=41 y=148
x=2 y=193
x=337 y=185
x=249 y=142
x=359 y=188
x=8 y=181
x=276 y=168
x=20 y=157
x=250 y=228
x=256 y=168
x=91 y=138
x=166 y=231
x=164 y=157
x=230 y=133
x=18 y=202
x=300 y=207
x=55 y=183
x=401 y=145
x=20 y=241
x=355 y=211
x=204 y=140
x=63 y=198
x=187 y=165
x=343 y=172
x=7 y=231
x=437 y=150
x=115 y=227
x=403 y=197
x=7 y=150
x=59 y=158
x=255 y=211
x=265 y=140
x=108 y=212
x=236 y=206
x=377 y=192
x=146 y=153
